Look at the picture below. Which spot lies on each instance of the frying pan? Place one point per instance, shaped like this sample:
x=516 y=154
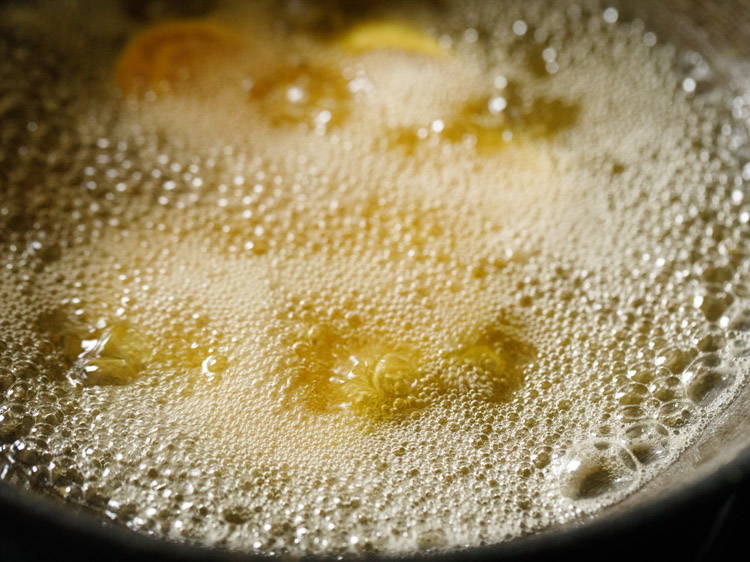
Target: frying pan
x=691 y=511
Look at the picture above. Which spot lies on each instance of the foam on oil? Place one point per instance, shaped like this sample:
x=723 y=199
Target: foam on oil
x=386 y=283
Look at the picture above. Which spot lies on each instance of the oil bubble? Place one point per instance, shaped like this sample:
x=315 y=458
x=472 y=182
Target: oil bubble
x=707 y=377
x=648 y=440
x=597 y=468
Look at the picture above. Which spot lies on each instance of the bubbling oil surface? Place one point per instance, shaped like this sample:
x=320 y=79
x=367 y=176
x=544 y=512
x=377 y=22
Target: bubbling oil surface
x=289 y=280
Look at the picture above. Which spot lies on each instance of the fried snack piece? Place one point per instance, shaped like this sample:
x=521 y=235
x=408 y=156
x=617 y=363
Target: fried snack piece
x=390 y=35
x=206 y=60
x=163 y=57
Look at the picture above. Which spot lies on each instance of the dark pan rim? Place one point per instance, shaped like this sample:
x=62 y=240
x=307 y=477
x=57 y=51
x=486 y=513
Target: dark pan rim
x=120 y=541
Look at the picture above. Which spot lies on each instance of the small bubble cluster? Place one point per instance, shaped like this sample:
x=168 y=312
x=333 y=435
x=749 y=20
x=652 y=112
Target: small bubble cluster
x=384 y=281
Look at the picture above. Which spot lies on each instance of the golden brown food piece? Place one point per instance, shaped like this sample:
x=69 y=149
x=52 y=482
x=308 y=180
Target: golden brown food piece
x=203 y=59
x=391 y=35
x=491 y=123
x=161 y=58
x=371 y=375
x=106 y=350
x=316 y=95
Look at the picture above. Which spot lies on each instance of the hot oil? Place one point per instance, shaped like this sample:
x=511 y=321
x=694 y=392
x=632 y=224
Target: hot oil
x=292 y=280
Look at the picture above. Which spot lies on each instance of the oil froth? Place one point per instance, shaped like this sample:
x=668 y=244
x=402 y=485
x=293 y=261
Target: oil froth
x=320 y=282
